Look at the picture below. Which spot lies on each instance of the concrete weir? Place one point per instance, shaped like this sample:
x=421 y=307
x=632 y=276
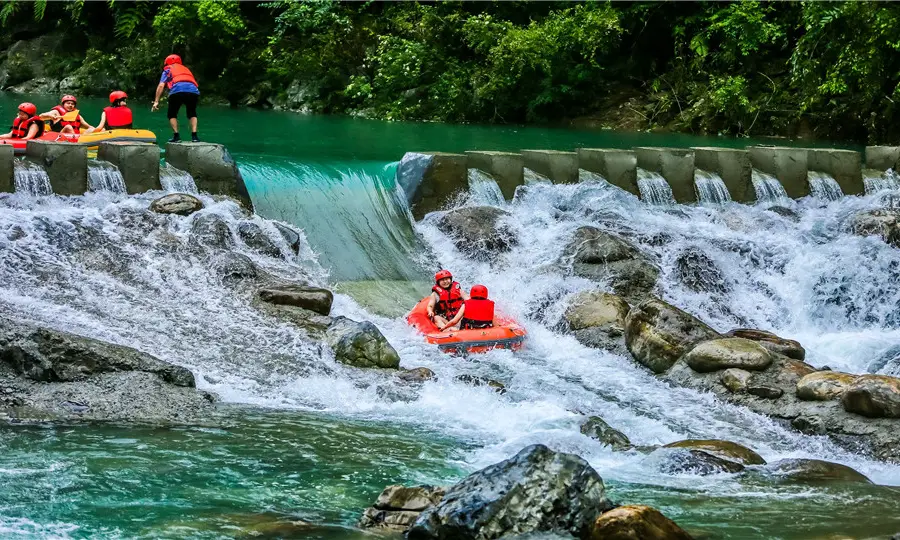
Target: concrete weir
x=733 y=166
x=65 y=163
x=506 y=168
x=788 y=165
x=845 y=166
x=882 y=158
x=442 y=176
x=618 y=167
x=676 y=165
x=138 y=163
x=560 y=167
x=7 y=174
x=213 y=168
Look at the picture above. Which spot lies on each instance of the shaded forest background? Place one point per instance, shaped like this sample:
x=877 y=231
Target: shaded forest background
x=824 y=69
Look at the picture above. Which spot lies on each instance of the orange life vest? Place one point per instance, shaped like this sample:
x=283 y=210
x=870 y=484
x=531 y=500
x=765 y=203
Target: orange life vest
x=20 y=127
x=449 y=300
x=76 y=123
x=118 y=117
x=479 y=313
x=181 y=74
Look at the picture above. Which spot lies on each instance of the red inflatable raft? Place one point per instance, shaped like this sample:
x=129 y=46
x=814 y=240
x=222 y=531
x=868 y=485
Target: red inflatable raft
x=505 y=334
x=91 y=140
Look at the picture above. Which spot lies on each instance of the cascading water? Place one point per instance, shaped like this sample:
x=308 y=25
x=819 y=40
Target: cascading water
x=654 y=188
x=104 y=176
x=710 y=187
x=768 y=189
x=483 y=188
x=31 y=178
x=824 y=186
x=173 y=179
x=880 y=181
x=532 y=177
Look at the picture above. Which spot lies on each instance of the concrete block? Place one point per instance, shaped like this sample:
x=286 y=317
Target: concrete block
x=213 y=169
x=676 y=165
x=138 y=163
x=733 y=166
x=618 y=167
x=507 y=168
x=845 y=166
x=443 y=178
x=882 y=158
x=560 y=167
x=7 y=174
x=788 y=165
x=65 y=163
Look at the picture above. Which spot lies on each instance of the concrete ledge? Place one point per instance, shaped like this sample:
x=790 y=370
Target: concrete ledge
x=507 y=168
x=733 y=166
x=844 y=165
x=882 y=158
x=445 y=176
x=560 y=167
x=138 y=163
x=676 y=165
x=788 y=165
x=213 y=169
x=618 y=167
x=65 y=163
x=7 y=173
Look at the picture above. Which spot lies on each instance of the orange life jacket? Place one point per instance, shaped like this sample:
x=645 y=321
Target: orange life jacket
x=20 y=127
x=76 y=123
x=479 y=313
x=181 y=74
x=118 y=117
x=449 y=300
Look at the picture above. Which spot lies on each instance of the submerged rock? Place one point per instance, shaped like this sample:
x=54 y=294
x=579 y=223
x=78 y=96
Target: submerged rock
x=232 y=266
x=823 y=385
x=360 y=344
x=875 y=396
x=719 y=354
x=813 y=470
x=212 y=230
x=636 y=522
x=699 y=273
x=597 y=429
x=312 y=298
x=180 y=204
x=785 y=212
x=787 y=347
x=399 y=506
x=699 y=462
x=731 y=451
x=290 y=236
x=598 y=320
x=883 y=222
x=479 y=232
x=536 y=490
x=416 y=375
x=257 y=239
x=474 y=380
x=601 y=256
x=658 y=334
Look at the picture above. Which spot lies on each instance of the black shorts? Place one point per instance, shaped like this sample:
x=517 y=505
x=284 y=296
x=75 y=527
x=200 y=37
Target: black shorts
x=183 y=98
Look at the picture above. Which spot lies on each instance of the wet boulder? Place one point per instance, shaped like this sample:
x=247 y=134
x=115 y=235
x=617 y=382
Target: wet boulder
x=180 y=204
x=597 y=429
x=233 y=267
x=765 y=391
x=657 y=334
x=290 y=236
x=785 y=213
x=360 y=344
x=474 y=380
x=604 y=257
x=479 y=232
x=875 y=396
x=636 y=522
x=823 y=385
x=256 y=239
x=691 y=461
x=731 y=451
x=416 y=375
x=812 y=471
x=212 y=230
x=884 y=222
x=597 y=320
x=787 y=347
x=719 y=354
x=734 y=380
x=399 y=506
x=314 y=299
x=537 y=490
x=699 y=273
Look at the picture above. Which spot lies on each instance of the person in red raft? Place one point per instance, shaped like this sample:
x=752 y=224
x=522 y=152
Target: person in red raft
x=117 y=115
x=446 y=305
x=478 y=311
x=27 y=124
x=65 y=117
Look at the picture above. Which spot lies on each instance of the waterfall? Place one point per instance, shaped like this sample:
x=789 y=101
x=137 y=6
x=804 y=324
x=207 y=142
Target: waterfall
x=104 y=176
x=532 y=177
x=880 y=181
x=710 y=187
x=31 y=178
x=824 y=186
x=654 y=188
x=768 y=188
x=483 y=189
x=175 y=180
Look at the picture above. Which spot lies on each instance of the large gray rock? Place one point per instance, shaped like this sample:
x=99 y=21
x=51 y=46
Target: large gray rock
x=883 y=222
x=603 y=257
x=824 y=385
x=257 y=239
x=598 y=320
x=312 y=298
x=875 y=396
x=787 y=347
x=813 y=471
x=399 y=506
x=537 y=490
x=360 y=344
x=719 y=354
x=479 y=232
x=657 y=334
x=180 y=204
x=212 y=230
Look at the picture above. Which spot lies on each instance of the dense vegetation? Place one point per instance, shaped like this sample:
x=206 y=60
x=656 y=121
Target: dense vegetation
x=823 y=68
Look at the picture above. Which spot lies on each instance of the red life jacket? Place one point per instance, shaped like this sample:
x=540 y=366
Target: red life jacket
x=181 y=74
x=479 y=313
x=76 y=123
x=118 y=117
x=449 y=300
x=20 y=127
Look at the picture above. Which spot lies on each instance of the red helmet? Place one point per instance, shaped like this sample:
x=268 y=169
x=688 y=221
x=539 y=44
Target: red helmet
x=173 y=59
x=116 y=96
x=442 y=275
x=68 y=97
x=479 y=291
x=28 y=108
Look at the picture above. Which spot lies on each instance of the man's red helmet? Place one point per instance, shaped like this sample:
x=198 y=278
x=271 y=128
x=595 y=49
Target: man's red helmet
x=442 y=275
x=28 y=108
x=68 y=97
x=116 y=96
x=479 y=291
x=173 y=59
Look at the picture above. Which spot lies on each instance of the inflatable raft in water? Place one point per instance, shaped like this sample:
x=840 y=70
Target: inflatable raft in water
x=505 y=334
x=91 y=140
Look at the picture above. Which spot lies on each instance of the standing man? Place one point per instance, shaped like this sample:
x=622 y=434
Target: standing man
x=183 y=90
